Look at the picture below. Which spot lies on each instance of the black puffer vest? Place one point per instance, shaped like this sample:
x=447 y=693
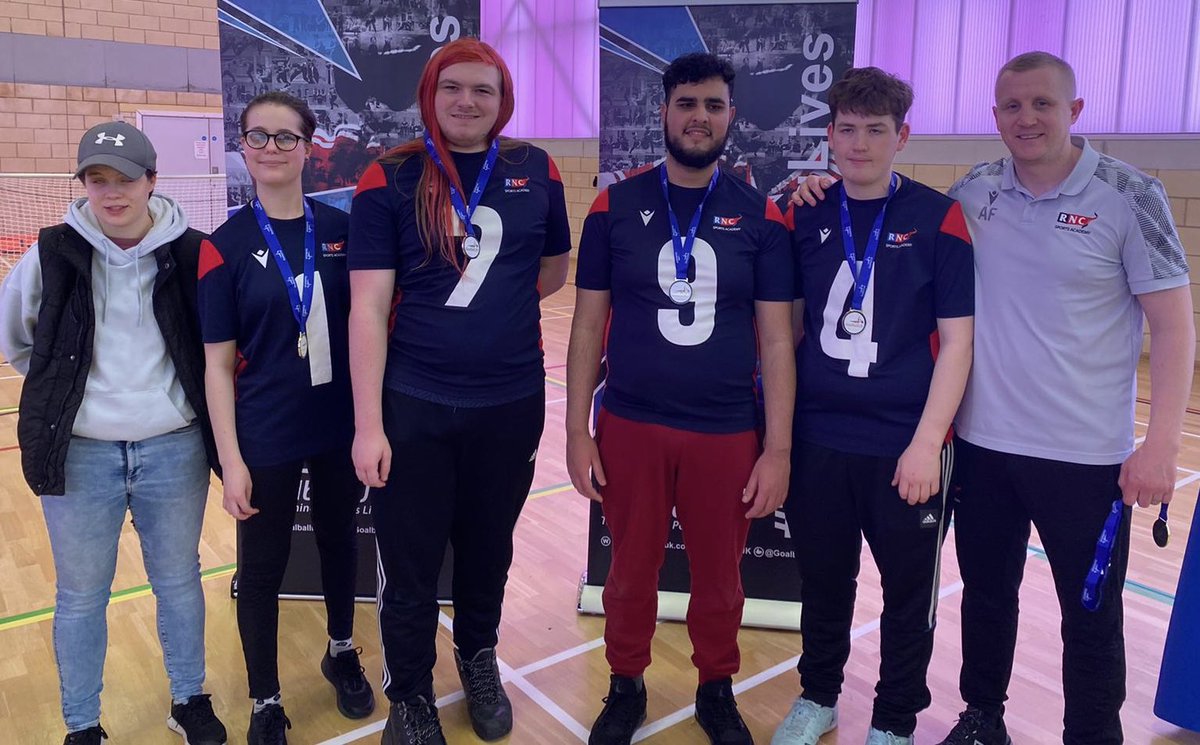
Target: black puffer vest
x=62 y=346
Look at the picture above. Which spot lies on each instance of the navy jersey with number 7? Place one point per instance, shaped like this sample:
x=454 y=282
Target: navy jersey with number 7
x=472 y=339
x=690 y=366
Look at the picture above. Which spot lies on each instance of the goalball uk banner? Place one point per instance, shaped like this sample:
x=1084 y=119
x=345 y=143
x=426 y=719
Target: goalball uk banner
x=356 y=63
x=786 y=56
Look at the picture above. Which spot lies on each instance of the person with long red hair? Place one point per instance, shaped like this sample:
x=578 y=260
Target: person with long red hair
x=454 y=239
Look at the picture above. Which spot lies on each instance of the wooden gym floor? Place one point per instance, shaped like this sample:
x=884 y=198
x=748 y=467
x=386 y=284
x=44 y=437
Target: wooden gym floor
x=552 y=657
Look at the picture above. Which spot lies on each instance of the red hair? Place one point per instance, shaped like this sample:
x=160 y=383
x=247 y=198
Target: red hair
x=435 y=215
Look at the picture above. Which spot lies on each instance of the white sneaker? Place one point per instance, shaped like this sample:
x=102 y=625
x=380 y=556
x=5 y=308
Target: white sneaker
x=875 y=737
x=805 y=723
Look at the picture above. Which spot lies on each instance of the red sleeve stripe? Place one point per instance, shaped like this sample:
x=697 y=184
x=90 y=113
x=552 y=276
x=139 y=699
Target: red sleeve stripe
x=955 y=224
x=372 y=178
x=210 y=258
x=554 y=175
x=789 y=217
x=600 y=204
x=773 y=213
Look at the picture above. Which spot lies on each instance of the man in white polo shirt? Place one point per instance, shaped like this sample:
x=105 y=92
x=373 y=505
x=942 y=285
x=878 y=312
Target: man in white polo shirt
x=1071 y=247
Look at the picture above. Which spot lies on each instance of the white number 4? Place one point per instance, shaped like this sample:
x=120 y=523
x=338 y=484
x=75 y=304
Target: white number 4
x=859 y=350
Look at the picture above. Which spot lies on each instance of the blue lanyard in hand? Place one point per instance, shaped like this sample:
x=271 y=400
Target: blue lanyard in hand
x=1093 y=586
x=464 y=211
x=681 y=289
x=300 y=305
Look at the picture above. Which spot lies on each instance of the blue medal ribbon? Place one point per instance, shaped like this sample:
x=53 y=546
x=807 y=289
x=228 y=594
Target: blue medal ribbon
x=1093 y=586
x=862 y=277
x=682 y=245
x=463 y=210
x=300 y=305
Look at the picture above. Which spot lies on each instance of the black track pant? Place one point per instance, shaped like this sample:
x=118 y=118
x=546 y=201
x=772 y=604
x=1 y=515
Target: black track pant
x=459 y=475
x=1068 y=503
x=836 y=499
x=266 y=541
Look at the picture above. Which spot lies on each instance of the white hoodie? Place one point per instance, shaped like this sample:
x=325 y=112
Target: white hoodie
x=132 y=391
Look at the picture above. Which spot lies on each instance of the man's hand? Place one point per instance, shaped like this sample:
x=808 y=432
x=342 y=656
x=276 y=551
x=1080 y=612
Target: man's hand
x=1148 y=476
x=768 y=485
x=812 y=190
x=583 y=464
x=372 y=456
x=918 y=473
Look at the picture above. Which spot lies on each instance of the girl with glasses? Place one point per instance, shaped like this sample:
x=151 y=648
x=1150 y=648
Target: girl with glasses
x=274 y=300
x=455 y=236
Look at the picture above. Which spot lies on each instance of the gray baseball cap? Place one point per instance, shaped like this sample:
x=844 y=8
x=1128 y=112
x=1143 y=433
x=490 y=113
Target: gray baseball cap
x=118 y=145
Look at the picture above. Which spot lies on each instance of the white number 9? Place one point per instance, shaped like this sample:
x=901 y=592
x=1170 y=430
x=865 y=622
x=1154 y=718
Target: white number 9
x=704 y=295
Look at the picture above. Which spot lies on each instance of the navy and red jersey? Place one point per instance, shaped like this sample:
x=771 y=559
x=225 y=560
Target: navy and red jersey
x=471 y=339
x=865 y=393
x=287 y=408
x=690 y=366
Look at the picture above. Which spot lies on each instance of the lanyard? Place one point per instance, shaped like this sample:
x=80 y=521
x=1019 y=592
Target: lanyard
x=682 y=245
x=862 y=277
x=463 y=210
x=300 y=306
x=1093 y=586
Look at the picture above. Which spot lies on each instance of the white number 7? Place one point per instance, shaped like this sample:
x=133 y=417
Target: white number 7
x=858 y=349
x=491 y=233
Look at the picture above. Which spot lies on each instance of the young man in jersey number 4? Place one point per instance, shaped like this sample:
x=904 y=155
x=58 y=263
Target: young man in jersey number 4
x=687 y=262
x=884 y=306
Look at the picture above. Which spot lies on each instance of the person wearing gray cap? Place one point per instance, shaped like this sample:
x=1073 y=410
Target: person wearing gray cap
x=100 y=317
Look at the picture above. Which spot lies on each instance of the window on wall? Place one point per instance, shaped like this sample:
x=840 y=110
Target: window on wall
x=1137 y=62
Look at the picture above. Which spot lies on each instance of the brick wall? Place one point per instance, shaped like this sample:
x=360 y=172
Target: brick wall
x=40 y=125
x=174 y=23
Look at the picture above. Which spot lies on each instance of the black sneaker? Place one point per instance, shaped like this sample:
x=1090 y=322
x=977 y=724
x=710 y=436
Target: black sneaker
x=413 y=722
x=354 y=696
x=624 y=711
x=89 y=736
x=976 y=727
x=717 y=713
x=487 y=704
x=196 y=721
x=268 y=726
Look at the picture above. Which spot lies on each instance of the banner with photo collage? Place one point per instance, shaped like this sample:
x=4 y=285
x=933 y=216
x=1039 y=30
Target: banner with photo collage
x=356 y=63
x=787 y=55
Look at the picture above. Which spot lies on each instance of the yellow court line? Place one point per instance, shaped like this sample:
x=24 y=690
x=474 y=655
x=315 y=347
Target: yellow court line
x=121 y=596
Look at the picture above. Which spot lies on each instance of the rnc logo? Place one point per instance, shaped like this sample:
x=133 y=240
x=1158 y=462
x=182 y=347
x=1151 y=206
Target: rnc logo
x=729 y=224
x=899 y=239
x=1075 y=223
x=333 y=249
x=516 y=185
x=1082 y=221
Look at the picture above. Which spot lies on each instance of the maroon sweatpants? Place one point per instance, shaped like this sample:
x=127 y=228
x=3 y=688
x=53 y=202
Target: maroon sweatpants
x=651 y=469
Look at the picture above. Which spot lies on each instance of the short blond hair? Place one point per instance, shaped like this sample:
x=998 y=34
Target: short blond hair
x=1037 y=60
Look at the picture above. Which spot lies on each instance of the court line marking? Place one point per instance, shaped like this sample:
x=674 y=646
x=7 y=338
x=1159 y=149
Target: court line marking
x=766 y=675
x=130 y=593
x=120 y=596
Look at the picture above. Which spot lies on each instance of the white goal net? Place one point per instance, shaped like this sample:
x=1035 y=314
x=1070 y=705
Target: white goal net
x=29 y=203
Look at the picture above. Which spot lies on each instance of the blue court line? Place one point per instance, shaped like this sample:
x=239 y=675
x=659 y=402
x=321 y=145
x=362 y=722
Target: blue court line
x=1145 y=591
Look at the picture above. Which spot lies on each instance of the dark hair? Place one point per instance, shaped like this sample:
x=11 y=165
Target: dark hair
x=308 y=120
x=1037 y=60
x=696 y=68
x=869 y=91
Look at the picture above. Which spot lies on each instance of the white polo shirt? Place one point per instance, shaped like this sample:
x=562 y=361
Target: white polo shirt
x=1058 y=327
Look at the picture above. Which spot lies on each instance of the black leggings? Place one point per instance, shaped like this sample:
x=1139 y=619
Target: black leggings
x=265 y=542
x=459 y=475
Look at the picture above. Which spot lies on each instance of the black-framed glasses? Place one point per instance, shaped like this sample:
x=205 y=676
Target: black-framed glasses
x=285 y=141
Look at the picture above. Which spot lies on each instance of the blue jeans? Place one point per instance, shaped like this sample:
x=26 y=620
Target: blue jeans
x=163 y=482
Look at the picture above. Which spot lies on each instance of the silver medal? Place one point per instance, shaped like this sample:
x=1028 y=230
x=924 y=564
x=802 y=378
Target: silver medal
x=302 y=345
x=680 y=292
x=854 y=322
x=471 y=247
